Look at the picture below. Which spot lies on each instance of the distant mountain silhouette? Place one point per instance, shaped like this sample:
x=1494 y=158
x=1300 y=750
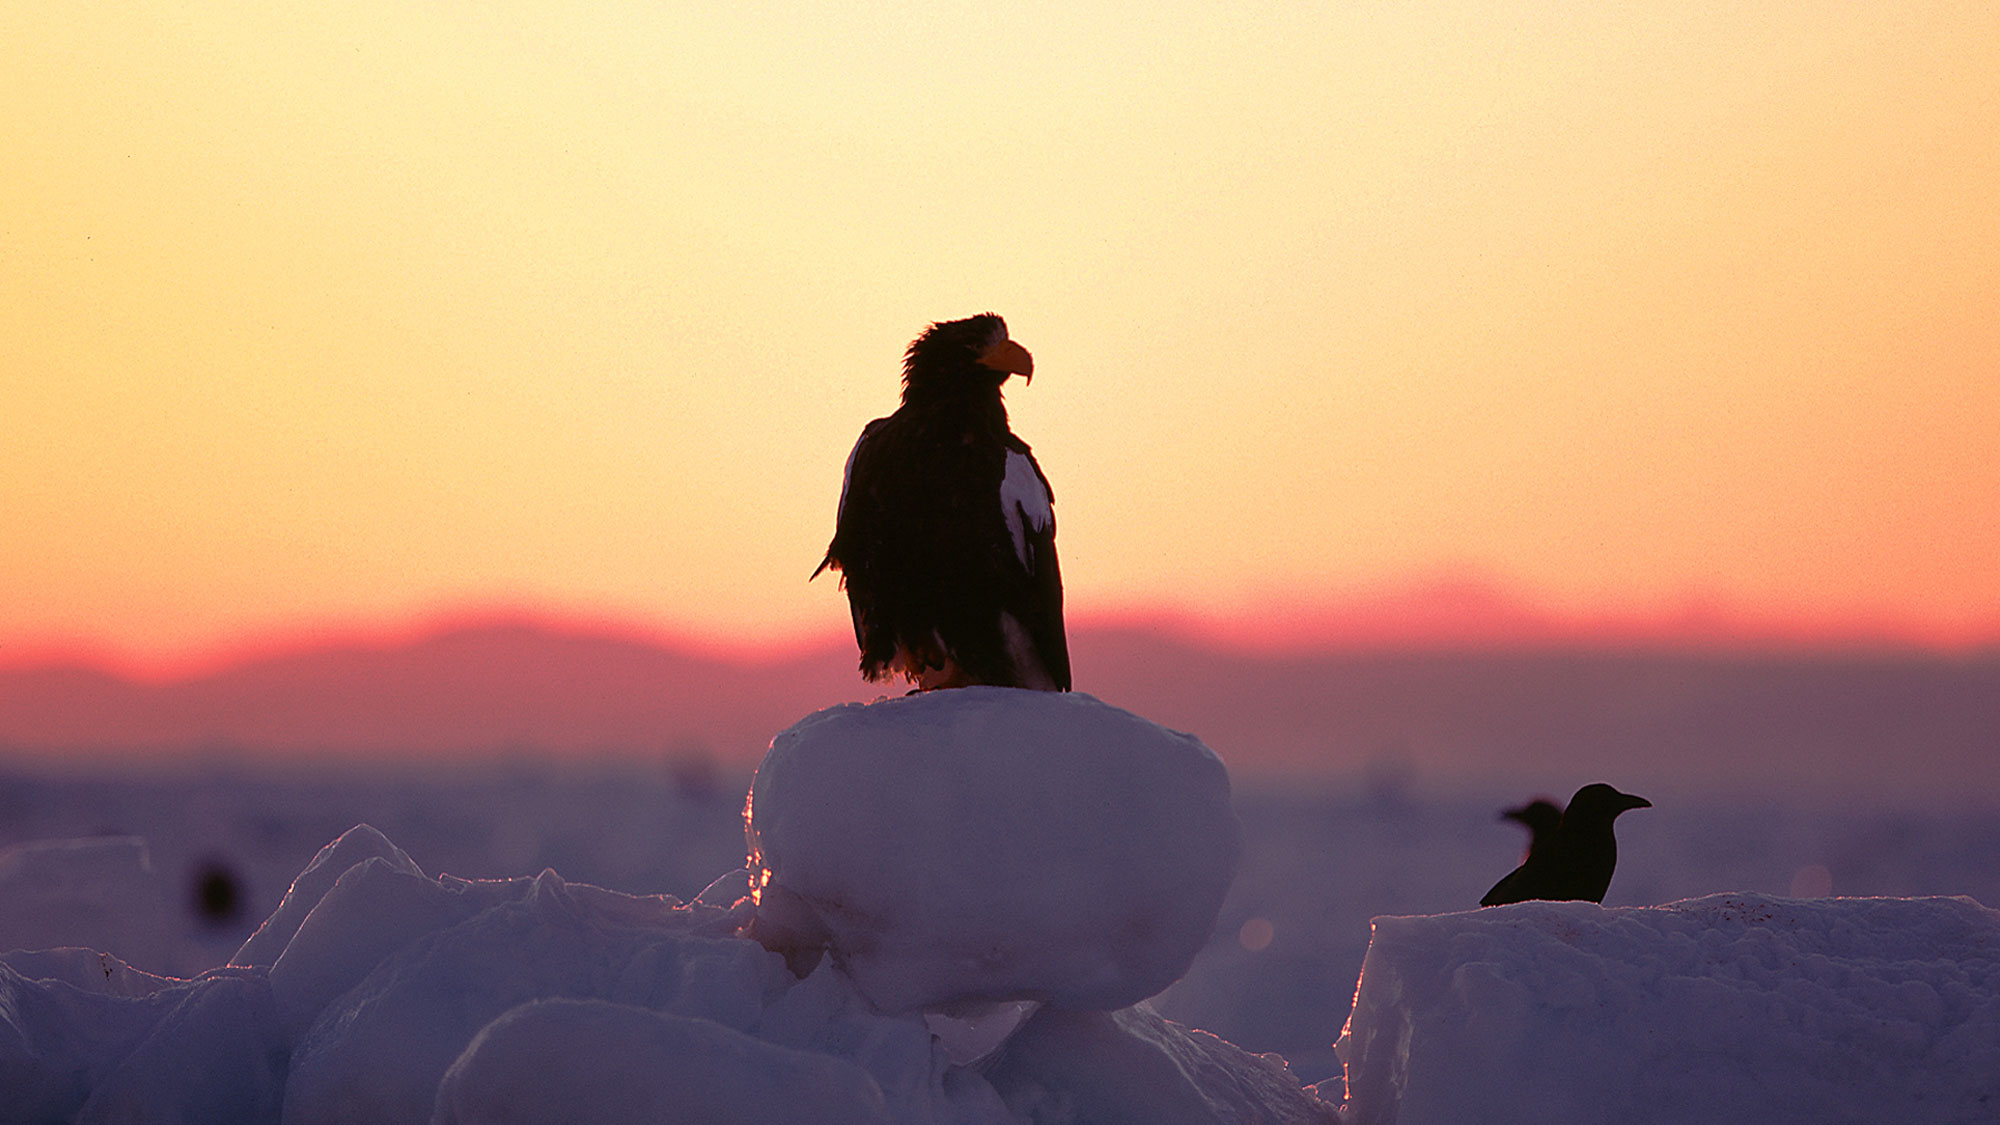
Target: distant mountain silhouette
x=480 y=688
x=1907 y=720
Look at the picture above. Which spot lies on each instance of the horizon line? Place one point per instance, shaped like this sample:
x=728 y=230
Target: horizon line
x=1452 y=618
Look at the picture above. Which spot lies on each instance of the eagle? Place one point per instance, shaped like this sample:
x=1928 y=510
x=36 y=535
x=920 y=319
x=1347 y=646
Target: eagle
x=945 y=538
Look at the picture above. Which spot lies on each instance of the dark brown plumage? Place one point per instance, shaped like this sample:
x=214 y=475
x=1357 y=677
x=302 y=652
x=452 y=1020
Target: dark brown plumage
x=945 y=538
x=1579 y=856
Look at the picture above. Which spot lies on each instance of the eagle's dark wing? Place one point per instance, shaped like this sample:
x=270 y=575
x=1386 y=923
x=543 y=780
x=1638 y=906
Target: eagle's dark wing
x=858 y=529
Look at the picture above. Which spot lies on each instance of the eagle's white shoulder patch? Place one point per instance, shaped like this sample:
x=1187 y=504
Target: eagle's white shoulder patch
x=1024 y=501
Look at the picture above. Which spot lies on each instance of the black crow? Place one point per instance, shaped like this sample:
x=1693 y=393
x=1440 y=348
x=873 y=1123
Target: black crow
x=946 y=534
x=1577 y=860
x=1540 y=817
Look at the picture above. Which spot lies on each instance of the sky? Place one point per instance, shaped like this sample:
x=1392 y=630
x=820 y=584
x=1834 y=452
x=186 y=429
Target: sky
x=323 y=317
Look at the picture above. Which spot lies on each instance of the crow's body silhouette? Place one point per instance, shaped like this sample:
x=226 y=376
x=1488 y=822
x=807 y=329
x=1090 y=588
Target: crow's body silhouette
x=1578 y=858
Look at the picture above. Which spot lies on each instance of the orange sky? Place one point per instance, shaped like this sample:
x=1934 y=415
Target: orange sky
x=320 y=315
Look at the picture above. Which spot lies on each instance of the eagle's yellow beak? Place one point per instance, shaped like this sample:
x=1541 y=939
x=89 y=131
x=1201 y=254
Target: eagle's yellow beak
x=1010 y=357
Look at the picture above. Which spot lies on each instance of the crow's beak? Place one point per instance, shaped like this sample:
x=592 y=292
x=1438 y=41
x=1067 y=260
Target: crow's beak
x=1632 y=802
x=1010 y=357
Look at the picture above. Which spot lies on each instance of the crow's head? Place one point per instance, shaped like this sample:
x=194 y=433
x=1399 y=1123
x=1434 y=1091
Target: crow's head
x=1600 y=804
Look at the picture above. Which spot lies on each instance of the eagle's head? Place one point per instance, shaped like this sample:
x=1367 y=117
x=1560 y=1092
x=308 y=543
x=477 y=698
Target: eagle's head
x=957 y=356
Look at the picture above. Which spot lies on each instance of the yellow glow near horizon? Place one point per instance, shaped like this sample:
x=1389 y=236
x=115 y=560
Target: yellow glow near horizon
x=346 y=314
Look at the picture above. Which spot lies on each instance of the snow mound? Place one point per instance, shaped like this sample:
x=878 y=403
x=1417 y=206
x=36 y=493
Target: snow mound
x=1720 y=1009
x=993 y=844
x=393 y=975
x=354 y=846
x=1055 y=1070
x=621 y=1063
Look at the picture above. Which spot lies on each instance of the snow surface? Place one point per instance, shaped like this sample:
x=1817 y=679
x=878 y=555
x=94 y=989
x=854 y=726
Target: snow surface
x=1727 y=1008
x=1320 y=859
x=375 y=984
